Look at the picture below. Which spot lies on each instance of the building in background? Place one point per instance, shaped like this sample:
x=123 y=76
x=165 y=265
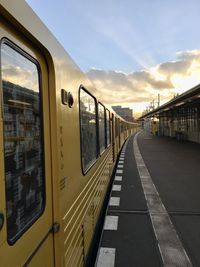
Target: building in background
x=125 y=113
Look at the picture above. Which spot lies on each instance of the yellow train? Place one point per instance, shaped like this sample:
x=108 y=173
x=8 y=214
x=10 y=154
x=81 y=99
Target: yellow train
x=58 y=146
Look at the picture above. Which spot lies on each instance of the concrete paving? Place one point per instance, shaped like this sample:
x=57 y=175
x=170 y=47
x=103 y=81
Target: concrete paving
x=130 y=234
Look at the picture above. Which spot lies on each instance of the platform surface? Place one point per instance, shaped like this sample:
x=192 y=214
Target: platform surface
x=132 y=235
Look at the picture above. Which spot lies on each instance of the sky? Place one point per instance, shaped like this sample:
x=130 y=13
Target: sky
x=132 y=50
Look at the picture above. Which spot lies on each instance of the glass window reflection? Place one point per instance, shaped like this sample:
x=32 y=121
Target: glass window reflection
x=23 y=150
x=102 y=136
x=88 y=129
x=108 y=127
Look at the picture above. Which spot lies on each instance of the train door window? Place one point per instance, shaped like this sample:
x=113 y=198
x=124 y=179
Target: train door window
x=121 y=127
x=119 y=131
x=102 y=128
x=116 y=128
x=23 y=146
x=88 y=129
x=108 y=141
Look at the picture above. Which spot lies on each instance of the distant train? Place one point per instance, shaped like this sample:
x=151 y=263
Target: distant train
x=58 y=146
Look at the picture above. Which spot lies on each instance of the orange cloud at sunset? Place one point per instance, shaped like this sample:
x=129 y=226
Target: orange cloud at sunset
x=137 y=89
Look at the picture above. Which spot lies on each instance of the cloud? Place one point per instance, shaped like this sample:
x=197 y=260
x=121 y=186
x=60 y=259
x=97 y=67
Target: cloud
x=116 y=87
x=176 y=67
x=182 y=65
x=189 y=55
x=23 y=77
x=146 y=78
x=114 y=77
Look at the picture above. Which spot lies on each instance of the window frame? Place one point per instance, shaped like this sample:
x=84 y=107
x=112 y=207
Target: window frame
x=116 y=127
x=108 y=112
x=86 y=170
x=105 y=135
x=25 y=54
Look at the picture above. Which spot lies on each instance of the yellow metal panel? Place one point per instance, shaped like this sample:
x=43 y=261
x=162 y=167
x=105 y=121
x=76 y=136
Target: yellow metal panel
x=77 y=198
x=17 y=254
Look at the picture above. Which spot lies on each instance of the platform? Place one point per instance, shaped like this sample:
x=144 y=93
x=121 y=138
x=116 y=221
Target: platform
x=153 y=216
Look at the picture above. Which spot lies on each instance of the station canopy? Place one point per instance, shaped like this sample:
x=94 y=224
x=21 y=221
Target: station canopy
x=189 y=99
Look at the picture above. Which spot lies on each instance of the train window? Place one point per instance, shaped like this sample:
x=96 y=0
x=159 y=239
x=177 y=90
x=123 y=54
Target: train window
x=116 y=127
x=102 y=127
x=23 y=146
x=108 y=141
x=121 y=127
x=88 y=129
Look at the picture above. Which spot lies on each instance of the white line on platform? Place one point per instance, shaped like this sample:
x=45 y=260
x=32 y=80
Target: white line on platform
x=170 y=246
x=119 y=171
x=121 y=161
x=111 y=222
x=120 y=166
x=118 y=178
x=114 y=201
x=116 y=187
x=106 y=257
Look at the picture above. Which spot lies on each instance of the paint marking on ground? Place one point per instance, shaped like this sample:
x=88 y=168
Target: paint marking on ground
x=116 y=187
x=106 y=257
x=114 y=201
x=170 y=246
x=118 y=178
x=120 y=166
x=111 y=222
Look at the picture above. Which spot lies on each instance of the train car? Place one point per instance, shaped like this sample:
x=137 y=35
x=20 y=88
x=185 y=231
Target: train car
x=58 y=142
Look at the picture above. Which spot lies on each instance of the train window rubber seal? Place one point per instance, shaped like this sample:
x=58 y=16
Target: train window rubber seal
x=85 y=171
x=22 y=52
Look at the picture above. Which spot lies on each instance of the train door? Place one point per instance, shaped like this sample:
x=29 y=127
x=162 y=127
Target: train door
x=25 y=175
